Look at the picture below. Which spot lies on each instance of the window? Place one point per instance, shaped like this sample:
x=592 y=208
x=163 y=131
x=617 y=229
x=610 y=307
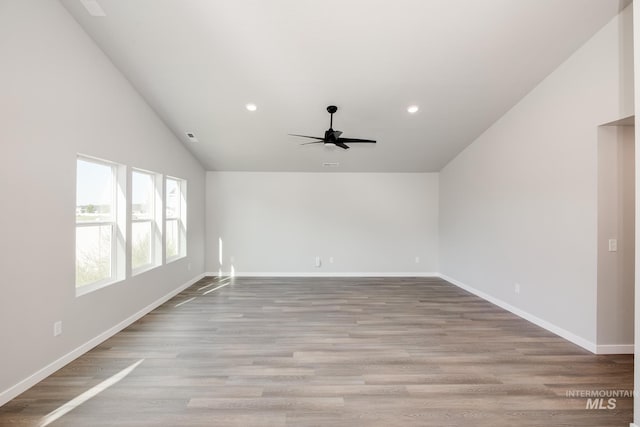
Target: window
x=175 y=218
x=98 y=236
x=145 y=233
x=103 y=241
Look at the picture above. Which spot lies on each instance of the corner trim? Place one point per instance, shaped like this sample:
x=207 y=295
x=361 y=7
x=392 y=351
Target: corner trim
x=22 y=386
x=570 y=336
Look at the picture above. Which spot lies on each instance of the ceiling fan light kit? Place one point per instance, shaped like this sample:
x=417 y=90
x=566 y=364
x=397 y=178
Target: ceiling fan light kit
x=333 y=136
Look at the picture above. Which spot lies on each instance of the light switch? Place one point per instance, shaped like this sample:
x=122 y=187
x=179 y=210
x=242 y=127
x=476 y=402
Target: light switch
x=613 y=245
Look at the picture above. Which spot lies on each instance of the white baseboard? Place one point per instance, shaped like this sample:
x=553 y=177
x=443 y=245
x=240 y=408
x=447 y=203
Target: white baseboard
x=615 y=349
x=43 y=373
x=633 y=425
x=570 y=336
x=324 y=274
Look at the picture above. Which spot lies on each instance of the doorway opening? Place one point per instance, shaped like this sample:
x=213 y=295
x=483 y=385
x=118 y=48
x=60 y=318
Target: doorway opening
x=616 y=237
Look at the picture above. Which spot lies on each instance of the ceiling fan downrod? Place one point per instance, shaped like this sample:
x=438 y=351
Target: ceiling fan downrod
x=331 y=109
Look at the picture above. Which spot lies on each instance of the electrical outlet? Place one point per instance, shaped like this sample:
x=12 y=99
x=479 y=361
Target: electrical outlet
x=613 y=245
x=232 y=259
x=189 y=267
x=417 y=260
x=318 y=262
x=57 y=328
x=516 y=288
x=330 y=260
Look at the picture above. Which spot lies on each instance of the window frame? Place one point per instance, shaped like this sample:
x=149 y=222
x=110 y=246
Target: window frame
x=180 y=218
x=154 y=221
x=116 y=271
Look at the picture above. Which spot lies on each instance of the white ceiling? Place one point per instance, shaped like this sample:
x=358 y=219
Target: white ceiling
x=464 y=62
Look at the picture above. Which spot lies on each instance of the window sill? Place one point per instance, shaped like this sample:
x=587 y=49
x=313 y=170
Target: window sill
x=175 y=258
x=144 y=269
x=87 y=289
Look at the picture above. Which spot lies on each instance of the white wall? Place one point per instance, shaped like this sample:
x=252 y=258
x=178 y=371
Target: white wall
x=59 y=96
x=519 y=205
x=277 y=223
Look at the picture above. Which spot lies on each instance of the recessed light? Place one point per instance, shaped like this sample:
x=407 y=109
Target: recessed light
x=412 y=109
x=251 y=107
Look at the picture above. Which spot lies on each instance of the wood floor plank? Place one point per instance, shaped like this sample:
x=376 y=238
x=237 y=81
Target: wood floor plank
x=330 y=352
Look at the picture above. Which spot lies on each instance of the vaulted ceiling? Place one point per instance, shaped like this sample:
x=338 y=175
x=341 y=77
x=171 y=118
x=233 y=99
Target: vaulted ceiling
x=198 y=63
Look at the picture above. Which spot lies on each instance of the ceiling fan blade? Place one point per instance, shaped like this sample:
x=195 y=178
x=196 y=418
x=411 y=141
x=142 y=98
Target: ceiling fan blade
x=355 y=140
x=332 y=136
x=307 y=136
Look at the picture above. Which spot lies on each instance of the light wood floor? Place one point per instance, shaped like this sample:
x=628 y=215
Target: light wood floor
x=330 y=352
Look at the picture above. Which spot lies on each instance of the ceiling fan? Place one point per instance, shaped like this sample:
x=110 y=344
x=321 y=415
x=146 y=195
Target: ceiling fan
x=333 y=136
